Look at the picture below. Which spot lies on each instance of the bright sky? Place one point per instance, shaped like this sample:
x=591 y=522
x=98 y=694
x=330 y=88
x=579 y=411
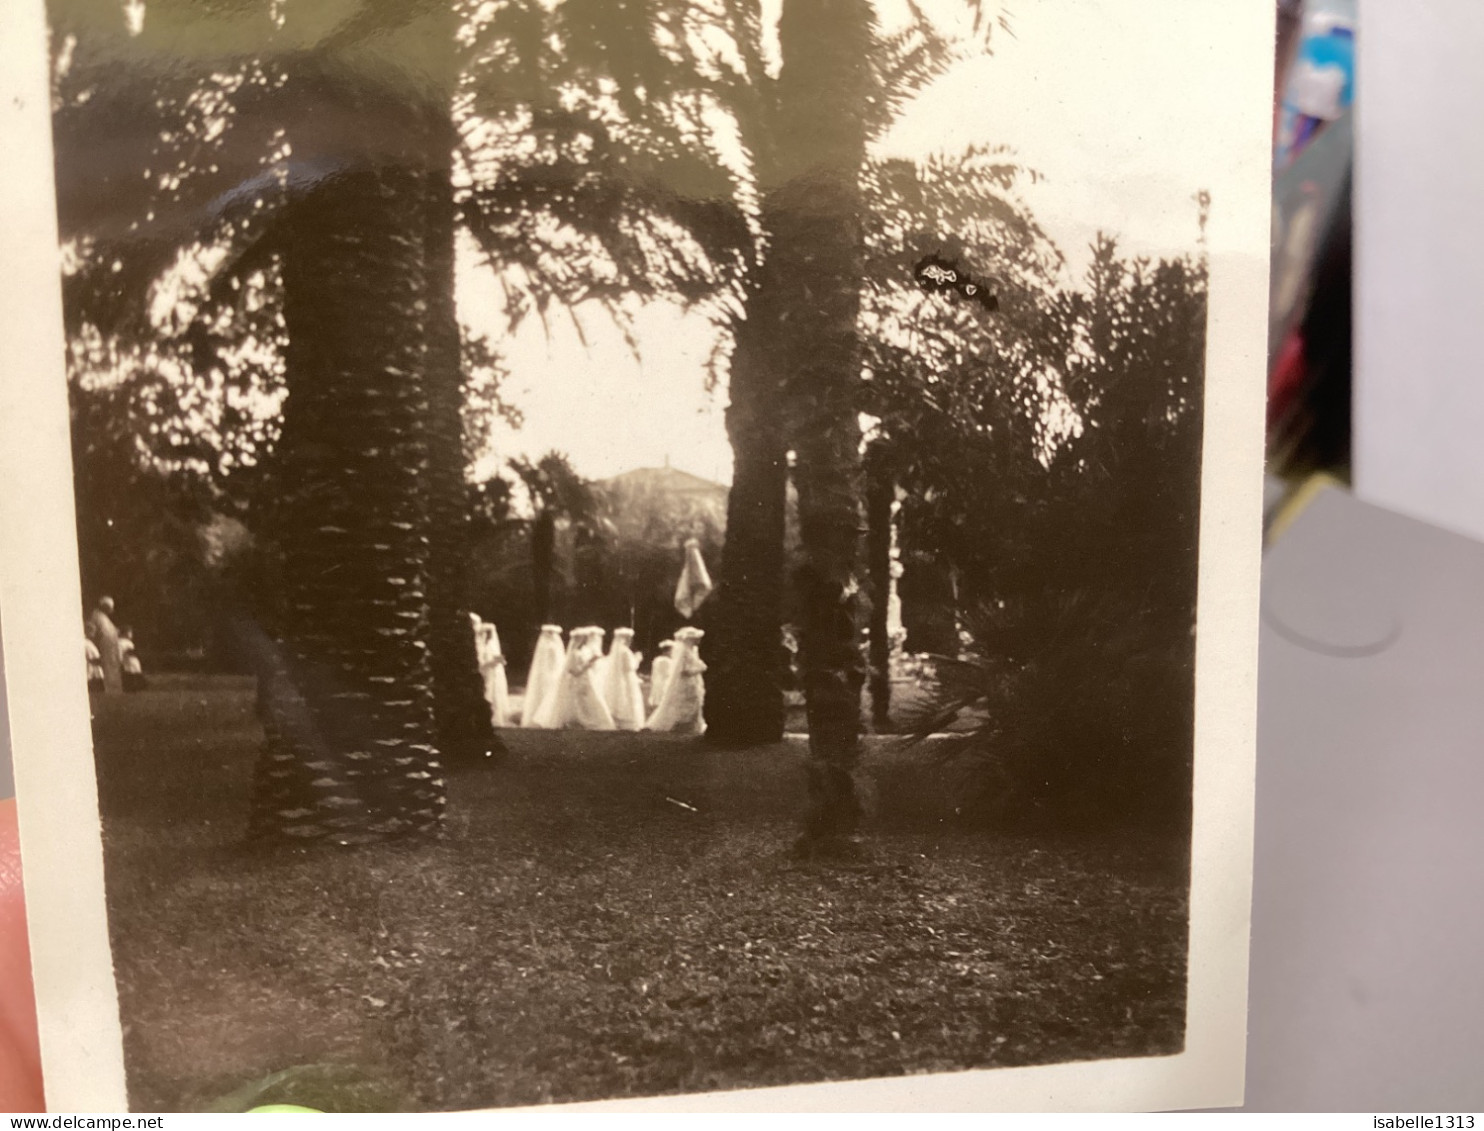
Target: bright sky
x=1096 y=95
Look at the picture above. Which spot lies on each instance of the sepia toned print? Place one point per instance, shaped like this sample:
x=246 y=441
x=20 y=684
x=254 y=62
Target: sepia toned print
x=638 y=549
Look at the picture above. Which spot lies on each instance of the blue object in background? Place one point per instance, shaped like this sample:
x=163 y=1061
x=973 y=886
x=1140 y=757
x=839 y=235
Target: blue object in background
x=1320 y=84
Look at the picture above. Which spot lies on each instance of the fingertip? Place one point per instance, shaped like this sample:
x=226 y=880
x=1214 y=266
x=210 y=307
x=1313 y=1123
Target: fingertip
x=20 y=1053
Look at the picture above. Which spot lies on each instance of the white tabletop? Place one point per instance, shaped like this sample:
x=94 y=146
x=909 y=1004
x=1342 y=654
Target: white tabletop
x=1367 y=988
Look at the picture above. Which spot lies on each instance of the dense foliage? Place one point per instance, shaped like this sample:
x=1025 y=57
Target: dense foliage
x=1075 y=555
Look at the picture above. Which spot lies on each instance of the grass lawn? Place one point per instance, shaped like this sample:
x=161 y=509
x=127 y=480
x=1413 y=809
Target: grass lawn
x=577 y=934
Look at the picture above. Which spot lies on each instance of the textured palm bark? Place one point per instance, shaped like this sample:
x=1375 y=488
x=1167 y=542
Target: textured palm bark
x=345 y=692
x=744 y=696
x=817 y=249
x=880 y=494
x=465 y=732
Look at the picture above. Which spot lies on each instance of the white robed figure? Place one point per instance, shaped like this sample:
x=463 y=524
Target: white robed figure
x=549 y=707
x=577 y=703
x=597 y=671
x=492 y=671
x=600 y=669
x=621 y=690
x=659 y=672
x=546 y=671
x=680 y=711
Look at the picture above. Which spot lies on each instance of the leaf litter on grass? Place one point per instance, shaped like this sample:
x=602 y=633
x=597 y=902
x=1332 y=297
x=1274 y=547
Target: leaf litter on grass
x=575 y=936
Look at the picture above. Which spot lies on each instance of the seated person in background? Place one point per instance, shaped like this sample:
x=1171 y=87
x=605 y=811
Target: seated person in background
x=133 y=670
x=95 y=666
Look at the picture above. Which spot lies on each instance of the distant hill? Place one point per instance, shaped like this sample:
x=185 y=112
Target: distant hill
x=669 y=481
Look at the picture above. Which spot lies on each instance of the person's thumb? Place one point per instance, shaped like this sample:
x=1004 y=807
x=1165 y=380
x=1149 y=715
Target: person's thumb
x=20 y=1053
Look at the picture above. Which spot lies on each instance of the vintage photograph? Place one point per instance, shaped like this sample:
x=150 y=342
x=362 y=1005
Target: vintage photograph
x=635 y=547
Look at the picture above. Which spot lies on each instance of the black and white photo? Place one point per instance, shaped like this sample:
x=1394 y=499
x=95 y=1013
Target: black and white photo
x=635 y=548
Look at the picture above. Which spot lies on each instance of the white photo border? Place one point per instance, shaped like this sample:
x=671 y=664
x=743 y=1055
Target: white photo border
x=76 y=995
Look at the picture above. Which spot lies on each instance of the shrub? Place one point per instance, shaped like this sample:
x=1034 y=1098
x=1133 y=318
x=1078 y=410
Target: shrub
x=1073 y=710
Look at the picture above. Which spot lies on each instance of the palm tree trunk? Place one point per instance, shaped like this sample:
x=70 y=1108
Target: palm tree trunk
x=744 y=696
x=347 y=696
x=345 y=691
x=817 y=249
x=465 y=732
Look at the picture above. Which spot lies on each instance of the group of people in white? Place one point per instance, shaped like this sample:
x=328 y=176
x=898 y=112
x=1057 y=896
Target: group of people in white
x=571 y=686
x=577 y=686
x=112 y=660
